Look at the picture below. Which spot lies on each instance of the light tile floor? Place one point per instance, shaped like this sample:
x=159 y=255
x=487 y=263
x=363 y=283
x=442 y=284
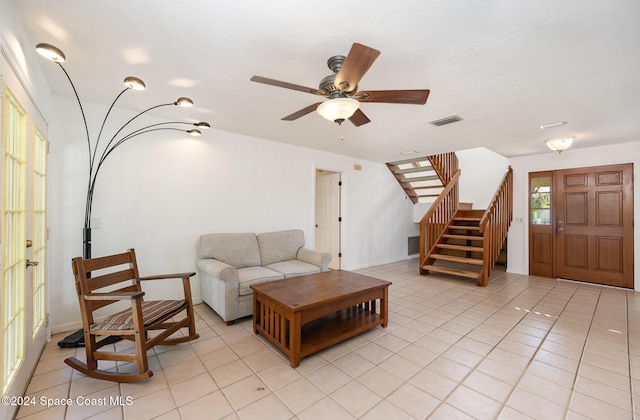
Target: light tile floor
x=523 y=347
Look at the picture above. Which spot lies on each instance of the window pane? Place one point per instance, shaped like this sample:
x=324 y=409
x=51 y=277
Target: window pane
x=540 y=201
x=541 y=216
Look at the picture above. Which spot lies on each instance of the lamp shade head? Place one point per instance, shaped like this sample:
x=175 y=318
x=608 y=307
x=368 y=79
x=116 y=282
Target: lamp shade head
x=194 y=132
x=338 y=109
x=185 y=102
x=134 y=83
x=559 y=144
x=50 y=52
x=203 y=125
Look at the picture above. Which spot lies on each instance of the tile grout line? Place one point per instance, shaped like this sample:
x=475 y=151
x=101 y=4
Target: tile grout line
x=442 y=402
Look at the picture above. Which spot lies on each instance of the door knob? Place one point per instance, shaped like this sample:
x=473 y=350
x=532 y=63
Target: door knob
x=559 y=230
x=29 y=243
x=31 y=263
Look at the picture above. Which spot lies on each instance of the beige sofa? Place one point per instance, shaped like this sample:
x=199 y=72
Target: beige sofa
x=229 y=263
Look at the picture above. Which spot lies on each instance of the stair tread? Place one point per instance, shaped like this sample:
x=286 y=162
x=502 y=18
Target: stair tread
x=468 y=219
x=460 y=227
x=420 y=178
x=454 y=271
x=465 y=237
x=416 y=169
x=453 y=258
x=461 y=247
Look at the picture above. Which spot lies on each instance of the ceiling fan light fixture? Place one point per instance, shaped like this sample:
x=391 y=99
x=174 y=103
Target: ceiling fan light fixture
x=559 y=144
x=338 y=109
x=50 y=52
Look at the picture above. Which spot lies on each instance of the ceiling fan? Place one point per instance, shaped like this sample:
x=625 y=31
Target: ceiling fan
x=341 y=89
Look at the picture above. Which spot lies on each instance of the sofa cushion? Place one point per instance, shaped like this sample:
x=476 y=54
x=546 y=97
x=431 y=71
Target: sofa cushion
x=294 y=268
x=255 y=275
x=280 y=246
x=236 y=249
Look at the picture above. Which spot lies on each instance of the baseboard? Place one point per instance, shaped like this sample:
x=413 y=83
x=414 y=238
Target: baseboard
x=390 y=261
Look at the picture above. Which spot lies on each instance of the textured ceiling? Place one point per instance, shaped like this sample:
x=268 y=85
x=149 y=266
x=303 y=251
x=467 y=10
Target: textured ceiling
x=504 y=66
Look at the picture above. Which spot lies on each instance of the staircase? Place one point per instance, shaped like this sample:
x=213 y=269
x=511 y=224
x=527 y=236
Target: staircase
x=460 y=252
x=456 y=241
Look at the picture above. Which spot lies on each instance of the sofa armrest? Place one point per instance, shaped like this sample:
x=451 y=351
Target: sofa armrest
x=317 y=258
x=218 y=269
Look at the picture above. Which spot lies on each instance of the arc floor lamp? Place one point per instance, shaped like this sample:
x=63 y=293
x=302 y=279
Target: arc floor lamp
x=96 y=159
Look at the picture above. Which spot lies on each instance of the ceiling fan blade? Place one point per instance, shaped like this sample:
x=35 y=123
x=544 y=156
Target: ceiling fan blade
x=358 y=118
x=416 y=97
x=302 y=112
x=358 y=61
x=287 y=85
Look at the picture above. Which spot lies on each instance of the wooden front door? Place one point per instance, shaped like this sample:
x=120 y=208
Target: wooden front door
x=594 y=231
x=581 y=224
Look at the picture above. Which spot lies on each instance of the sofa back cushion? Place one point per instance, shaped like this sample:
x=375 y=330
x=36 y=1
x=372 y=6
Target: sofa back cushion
x=237 y=249
x=280 y=246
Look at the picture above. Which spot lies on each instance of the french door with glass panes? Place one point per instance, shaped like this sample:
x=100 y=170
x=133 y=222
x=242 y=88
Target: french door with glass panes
x=23 y=296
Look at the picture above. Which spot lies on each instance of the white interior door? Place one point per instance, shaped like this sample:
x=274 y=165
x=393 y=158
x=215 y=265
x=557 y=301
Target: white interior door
x=328 y=215
x=23 y=296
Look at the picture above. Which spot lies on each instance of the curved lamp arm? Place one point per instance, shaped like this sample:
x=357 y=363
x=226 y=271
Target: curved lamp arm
x=54 y=54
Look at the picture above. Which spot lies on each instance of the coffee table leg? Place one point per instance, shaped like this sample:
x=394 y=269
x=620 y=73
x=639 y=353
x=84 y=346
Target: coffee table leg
x=256 y=312
x=384 y=312
x=295 y=337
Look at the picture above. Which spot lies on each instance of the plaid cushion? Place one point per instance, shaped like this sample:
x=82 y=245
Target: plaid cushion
x=151 y=311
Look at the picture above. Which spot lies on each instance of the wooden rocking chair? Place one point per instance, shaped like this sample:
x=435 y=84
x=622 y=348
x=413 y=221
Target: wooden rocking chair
x=121 y=272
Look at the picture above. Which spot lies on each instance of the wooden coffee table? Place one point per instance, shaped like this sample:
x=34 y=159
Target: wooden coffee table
x=302 y=315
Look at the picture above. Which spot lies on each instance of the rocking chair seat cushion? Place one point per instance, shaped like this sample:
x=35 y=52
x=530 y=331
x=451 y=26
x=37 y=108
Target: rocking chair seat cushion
x=151 y=312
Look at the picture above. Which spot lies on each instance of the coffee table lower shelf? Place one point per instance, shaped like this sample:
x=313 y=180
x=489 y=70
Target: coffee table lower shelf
x=334 y=328
x=320 y=333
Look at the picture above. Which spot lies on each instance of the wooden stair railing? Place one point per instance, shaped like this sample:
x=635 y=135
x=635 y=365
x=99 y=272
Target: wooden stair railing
x=444 y=208
x=495 y=223
x=436 y=220
x=445 y=165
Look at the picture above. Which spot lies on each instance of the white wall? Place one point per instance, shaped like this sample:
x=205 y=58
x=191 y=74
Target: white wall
x=481 y=171
x=20 y=54
x=518 y=252
x=159 y=192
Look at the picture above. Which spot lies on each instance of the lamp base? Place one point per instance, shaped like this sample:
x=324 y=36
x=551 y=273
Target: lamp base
x=86 y=243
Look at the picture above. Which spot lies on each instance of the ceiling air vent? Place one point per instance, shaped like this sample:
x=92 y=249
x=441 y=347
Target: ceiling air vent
x=447 y=120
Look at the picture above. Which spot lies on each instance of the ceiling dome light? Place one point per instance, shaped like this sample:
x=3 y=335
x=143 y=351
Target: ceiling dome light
x=185 y=102
x=50 y=52
x=338 y=109
x=559 y=144
x=134 y=83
